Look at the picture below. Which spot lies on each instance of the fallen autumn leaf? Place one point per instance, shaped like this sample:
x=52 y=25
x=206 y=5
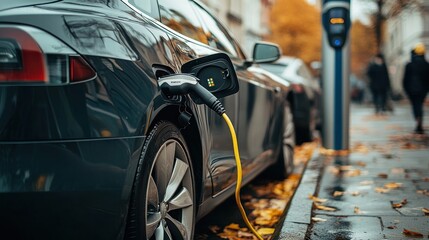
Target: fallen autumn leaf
x=338 y=193
x=266 y=231
x=316 y=199
x=325 y=208
x=424 y=192
x=401 y=204
x=316 y=219
x=383 y=175
x=368 y=182
x=355 y=193
x=382 y=190
x=357 y=210
x=393 y=185
x=409 y=233
x=353 y=173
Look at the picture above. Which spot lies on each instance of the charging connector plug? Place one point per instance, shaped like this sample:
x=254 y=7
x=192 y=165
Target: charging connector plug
x=182 y=84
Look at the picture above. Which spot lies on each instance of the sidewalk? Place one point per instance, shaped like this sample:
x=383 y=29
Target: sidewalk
x=376 y=192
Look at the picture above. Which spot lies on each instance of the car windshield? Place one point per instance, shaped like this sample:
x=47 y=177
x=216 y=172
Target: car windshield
x=277 y=69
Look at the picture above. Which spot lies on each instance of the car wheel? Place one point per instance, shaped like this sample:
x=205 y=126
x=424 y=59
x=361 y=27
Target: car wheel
x=163 y=199
x=284 y=165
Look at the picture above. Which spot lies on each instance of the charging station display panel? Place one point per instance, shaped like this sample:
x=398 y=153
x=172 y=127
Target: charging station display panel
x=337 y=23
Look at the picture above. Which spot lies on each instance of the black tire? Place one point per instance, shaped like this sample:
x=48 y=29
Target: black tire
x=284 y=165
x=154 y=204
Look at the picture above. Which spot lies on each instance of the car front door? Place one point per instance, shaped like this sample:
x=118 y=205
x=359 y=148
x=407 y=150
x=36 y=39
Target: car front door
x=256 y=99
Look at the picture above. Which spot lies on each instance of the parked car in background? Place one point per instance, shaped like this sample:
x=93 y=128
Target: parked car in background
x=89 y=146
x=304 y=97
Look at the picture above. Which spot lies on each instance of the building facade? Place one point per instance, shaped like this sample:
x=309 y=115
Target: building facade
x=247 y=20
x=404 y=30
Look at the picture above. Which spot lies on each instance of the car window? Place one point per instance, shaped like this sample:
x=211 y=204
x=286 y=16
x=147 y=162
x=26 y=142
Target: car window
x=277 y=69
x=179 y=16
x=217 y=35
x=149 y=7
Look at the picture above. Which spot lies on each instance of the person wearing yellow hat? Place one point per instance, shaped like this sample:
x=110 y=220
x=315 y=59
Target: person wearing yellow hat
x=419 y=49
x=416 y=83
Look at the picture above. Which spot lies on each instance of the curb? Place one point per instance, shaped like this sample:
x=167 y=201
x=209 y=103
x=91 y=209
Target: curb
x=297 y=217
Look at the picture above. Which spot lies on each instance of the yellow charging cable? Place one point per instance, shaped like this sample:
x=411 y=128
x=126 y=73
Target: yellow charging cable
x=239 y=176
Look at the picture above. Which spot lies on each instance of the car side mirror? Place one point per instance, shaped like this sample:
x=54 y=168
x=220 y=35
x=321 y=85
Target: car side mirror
x=215 y=72
x=264 y=52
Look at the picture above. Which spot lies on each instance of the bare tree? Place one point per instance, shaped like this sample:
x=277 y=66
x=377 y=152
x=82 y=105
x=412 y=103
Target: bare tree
x=387 y=9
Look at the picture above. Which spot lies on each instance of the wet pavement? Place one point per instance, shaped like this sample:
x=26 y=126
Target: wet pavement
x=379 y=191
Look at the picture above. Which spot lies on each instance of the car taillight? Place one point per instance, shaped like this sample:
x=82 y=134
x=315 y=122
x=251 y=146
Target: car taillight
x=29 y=55
x=79 y=69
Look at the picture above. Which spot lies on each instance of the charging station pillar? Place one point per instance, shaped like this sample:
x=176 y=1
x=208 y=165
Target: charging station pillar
x=335 y=74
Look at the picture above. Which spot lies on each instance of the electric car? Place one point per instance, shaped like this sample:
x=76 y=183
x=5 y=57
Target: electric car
x=91 y=148
x=304 y=97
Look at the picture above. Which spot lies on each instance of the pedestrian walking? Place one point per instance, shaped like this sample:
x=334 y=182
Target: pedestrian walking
x=379 y=82
x=416 y=83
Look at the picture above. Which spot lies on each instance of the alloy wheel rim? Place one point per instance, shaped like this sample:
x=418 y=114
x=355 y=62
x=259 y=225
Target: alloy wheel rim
x=169 y=202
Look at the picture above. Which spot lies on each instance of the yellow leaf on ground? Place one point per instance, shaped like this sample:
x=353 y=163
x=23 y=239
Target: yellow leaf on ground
x=401 y=204
x=247 y=235
x=338 y=193
x=334 y=170
x=366 y=183
x=316 y=199
x=266 y=231
x=360 y=148
x=266 y=222
x=316 y=219
x=397 y=171
x=396 y=205
x=233 y=226
x=355 y=193
x=346 y=168
x=382 y=190
x=393 y=185
x=361 y=164
x=353 y=173
x=325 y=208
x=409 y=233
x=424 y=192
x=357 y=210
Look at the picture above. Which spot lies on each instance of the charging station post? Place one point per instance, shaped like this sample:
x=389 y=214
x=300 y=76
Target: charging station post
x=335 y=74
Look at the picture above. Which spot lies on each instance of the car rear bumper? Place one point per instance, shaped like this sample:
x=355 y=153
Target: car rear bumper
x=66 y=189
